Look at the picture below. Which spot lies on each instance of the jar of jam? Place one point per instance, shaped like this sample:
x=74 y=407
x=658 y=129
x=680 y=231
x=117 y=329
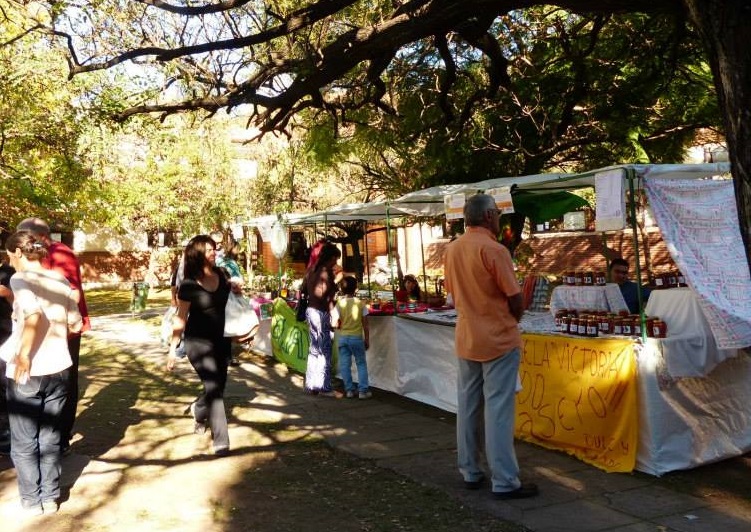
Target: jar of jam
x=558 y=315
x=636 y=325
x=564 y=324
x=659 y=281
x=681 y=279
x=649 y=323
x=618 y=326
x=573 y=325
x=600 y=279
x=603 y=324
x=626 y=326
x=582 y=329
x=589 y=278
x=569 y=278
x=659 y=328
x=672 y=280
x=579 y=278
x=592 y=326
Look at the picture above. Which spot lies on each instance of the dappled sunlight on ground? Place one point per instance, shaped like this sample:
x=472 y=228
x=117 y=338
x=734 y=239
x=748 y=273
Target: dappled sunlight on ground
x=136 y=454
x=136 y=464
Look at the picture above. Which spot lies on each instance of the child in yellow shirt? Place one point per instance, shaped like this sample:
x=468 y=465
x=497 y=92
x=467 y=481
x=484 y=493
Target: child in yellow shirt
x=353 y=339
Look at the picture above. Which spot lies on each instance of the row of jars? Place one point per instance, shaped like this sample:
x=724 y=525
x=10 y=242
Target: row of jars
x=670 y=279
x=599 y=322
x=584 y=278
x=661 y=281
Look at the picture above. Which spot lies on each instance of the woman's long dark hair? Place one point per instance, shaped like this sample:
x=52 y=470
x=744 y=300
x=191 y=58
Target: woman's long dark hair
x=195 y=256
x=328 y=252
x=416 y=290
x=30 y=245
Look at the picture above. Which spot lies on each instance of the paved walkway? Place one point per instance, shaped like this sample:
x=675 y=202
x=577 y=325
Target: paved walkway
x=418 y=442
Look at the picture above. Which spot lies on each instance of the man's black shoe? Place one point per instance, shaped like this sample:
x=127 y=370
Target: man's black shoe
x=474 y=484
x=522 y=492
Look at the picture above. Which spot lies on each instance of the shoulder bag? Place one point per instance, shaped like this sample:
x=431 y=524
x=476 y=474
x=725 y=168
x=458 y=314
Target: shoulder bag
x=302 y=303
x=240 y=320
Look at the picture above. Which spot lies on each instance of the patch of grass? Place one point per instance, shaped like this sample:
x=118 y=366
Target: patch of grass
x=104 y=302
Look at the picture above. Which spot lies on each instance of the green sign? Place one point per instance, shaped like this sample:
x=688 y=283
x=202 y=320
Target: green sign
x=289 y=338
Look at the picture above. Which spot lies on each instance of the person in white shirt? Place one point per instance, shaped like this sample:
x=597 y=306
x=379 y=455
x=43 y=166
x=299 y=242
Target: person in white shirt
x=45 y=312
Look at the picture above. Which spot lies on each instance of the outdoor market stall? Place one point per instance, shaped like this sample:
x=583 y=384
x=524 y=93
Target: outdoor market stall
x=619 y=403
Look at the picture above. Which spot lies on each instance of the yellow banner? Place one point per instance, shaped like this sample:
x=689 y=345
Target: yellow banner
x=579 y=395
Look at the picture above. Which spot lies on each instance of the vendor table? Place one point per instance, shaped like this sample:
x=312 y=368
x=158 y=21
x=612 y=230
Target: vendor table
x=690 y=349
x=682 y=423
x=609 y=400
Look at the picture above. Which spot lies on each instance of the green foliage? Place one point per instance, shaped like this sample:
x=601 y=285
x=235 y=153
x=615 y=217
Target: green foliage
x=583 y=92
x=565 y=92
x=176 y=175
x=63 y=158
x=42 y=166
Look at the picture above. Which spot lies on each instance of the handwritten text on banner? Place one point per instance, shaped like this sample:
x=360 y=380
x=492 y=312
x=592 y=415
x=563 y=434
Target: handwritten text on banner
x=579 y=395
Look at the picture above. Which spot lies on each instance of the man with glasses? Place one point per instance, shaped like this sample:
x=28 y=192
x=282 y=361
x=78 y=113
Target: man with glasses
x=479 y=274
x=619 y=274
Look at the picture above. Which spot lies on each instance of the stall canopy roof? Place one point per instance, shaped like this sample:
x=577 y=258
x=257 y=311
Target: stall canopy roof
x=429 y=201
x=342 y=213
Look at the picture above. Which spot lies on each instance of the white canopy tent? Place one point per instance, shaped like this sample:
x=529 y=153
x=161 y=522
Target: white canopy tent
x=685 y=423
x=429 y=201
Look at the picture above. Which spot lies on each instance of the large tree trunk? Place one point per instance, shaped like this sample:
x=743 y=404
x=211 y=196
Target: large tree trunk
x=725 y=27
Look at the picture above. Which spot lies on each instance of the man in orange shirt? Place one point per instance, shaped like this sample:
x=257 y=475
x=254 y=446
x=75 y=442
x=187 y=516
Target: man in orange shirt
x=479 y=274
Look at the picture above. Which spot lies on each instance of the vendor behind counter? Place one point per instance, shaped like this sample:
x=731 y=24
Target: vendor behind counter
x=619 y=274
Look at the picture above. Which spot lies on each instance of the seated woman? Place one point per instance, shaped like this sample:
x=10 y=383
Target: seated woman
x=411 y=287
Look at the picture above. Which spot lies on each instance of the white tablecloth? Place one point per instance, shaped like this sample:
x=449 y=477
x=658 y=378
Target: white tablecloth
x=693 y=421
x=606 y=297
x=690 y=349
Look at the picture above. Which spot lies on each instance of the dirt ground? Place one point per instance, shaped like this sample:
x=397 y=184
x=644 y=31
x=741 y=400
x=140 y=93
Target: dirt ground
x=136 y=464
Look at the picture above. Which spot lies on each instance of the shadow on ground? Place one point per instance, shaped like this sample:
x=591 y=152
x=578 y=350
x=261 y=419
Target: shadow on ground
x=301 y=462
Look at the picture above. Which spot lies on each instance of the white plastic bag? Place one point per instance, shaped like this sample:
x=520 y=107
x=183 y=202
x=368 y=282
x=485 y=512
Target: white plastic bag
x=240 y=320
x=166 y=332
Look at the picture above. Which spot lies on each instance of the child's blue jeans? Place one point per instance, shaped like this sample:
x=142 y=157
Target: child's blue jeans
x=353 y=347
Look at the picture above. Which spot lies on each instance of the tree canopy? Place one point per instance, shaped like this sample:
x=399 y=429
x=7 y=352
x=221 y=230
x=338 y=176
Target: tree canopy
x=587 y=91
x=41 y=164
x=338 y=57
